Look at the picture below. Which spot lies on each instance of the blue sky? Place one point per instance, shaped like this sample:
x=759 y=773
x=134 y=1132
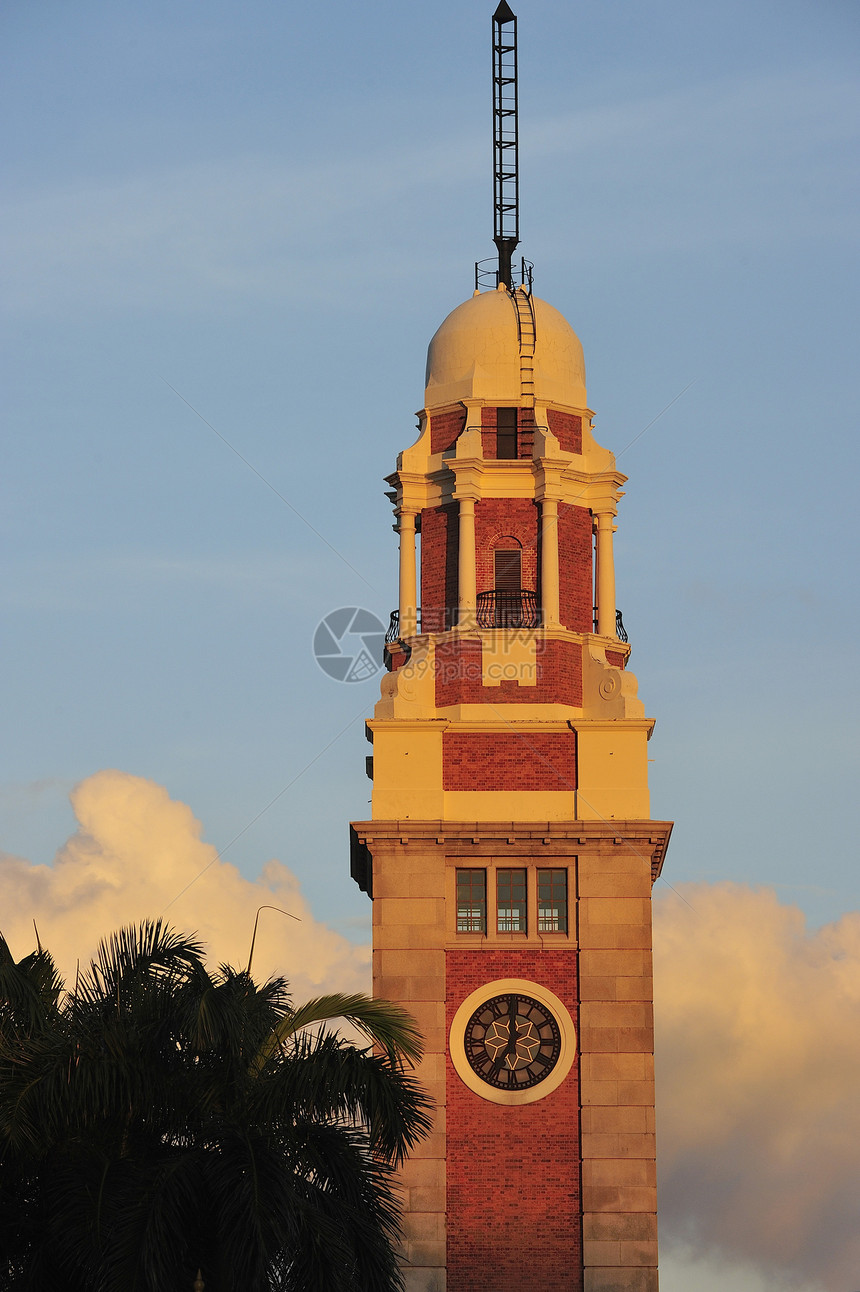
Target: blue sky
x=271 y=207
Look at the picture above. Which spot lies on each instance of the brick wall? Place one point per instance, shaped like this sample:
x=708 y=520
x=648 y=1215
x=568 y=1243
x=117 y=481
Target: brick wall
x=576 y=579
x=514 y=1209
x=440 y=541
x=445 y=428
x=615 y=658
x=498 y=520
x=508 y=760
x=567 y=429
x=459 y=677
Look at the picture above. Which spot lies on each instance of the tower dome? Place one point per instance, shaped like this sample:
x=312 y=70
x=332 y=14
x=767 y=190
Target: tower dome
x=477 y=354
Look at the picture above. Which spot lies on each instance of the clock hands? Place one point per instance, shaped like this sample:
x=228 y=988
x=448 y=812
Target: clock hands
x=512 y=1042
x=511 y=1051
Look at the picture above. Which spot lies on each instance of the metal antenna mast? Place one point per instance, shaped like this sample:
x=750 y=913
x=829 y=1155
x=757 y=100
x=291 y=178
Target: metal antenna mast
x=506 y=178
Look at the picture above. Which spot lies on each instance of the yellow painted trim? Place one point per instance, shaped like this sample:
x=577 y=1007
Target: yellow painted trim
x=509 y=805
x=612 y=762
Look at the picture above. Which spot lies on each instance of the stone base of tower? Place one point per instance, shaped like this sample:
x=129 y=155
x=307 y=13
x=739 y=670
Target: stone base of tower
x=559 y=1193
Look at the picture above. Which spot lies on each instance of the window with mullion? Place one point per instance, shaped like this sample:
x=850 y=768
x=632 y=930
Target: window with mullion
x=471 y=901
x=511 y=901
x=552 y=901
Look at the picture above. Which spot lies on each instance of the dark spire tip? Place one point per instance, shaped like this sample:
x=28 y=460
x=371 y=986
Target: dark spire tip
x=504 y=13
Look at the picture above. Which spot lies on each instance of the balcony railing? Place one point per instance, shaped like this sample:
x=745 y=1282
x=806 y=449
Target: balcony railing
x=620 y=630
x=392 y=633
x=436 y=619
x=496 y=609
x=502 y=609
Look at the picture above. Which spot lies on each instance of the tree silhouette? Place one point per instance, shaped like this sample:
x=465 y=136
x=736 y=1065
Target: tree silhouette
x=158 y=1118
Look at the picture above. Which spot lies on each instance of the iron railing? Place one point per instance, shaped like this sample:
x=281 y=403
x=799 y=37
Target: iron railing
x=501 y=609
x=620 y=632
x=487 y=275
x=435 y=619
x=496 y=609
x=392 y=633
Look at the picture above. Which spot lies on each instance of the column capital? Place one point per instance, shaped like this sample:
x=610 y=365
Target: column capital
x=468 y=477
x=549 y=486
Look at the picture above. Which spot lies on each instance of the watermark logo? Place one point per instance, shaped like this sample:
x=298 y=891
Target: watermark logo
x=348 y=644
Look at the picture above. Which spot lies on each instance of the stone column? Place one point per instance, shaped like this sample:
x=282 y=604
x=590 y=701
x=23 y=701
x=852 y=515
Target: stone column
x=408 y=582
x=467 y=596
x=605 y=575
x=549 y=576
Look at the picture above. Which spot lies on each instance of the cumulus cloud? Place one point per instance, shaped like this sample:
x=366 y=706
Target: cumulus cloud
x=758 y=1051
x=758 y=1021
x=134 y=851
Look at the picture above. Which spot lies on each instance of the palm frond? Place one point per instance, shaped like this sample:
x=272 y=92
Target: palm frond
x=384 y=1024
x=29 y=990
x=134 y=956
x=325 y=1079
x=349 y=1192
x=162 y=1117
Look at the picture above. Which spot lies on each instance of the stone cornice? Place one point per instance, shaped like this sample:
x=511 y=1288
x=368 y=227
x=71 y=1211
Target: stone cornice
x=515 y=838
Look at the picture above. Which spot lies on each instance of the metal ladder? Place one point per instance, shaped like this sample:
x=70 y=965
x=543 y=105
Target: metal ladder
x=526 y=330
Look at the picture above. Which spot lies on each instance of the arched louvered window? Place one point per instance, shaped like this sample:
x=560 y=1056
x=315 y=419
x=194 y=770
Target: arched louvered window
x=508 y=573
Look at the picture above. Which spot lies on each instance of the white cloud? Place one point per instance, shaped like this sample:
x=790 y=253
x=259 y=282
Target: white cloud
x=135 y=850
x=758 y=1025
x=758 y=1046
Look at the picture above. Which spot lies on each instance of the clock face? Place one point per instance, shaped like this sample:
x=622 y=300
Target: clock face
x=512 y=1041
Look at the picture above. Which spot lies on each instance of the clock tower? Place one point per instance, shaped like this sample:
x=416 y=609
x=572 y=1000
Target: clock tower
x=511 y=853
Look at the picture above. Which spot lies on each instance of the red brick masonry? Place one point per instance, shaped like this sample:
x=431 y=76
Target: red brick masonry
x=567 y=428
x=445 y=429
x=459 y=679
x=508 y=760
x=498 y=519
x=514 y=1209
x=440 y=542
x=576 y=580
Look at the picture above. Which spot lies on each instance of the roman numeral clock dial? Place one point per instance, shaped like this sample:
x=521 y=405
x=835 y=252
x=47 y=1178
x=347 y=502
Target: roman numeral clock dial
x=512 y=1042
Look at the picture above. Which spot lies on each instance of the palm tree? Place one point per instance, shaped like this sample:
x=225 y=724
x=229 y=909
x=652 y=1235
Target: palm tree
x=159 y=1118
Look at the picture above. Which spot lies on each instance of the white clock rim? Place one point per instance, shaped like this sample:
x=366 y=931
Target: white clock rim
x=522 y=987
